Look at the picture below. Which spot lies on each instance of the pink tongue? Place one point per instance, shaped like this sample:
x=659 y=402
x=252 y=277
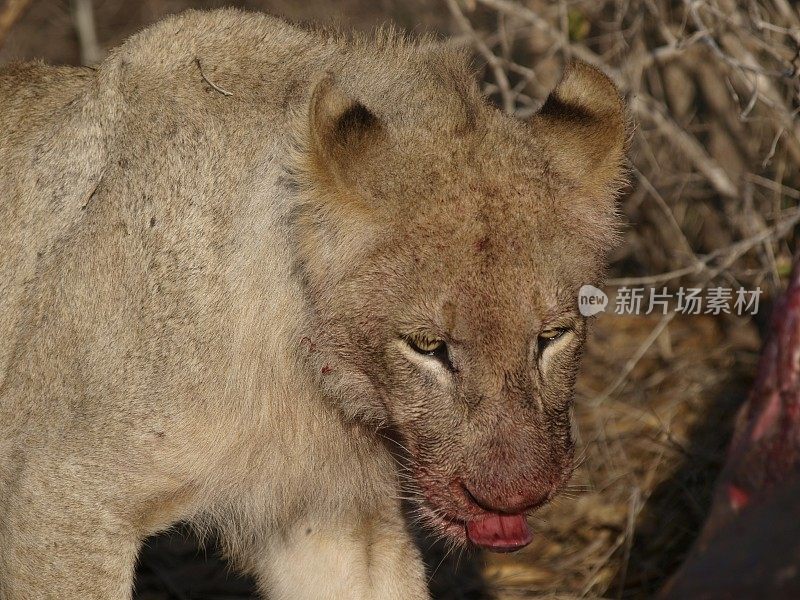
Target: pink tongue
x=500 y=533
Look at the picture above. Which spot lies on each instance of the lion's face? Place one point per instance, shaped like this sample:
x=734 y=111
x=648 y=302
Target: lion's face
x=443 y=288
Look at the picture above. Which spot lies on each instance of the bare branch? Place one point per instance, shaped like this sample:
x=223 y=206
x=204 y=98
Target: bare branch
x=83 y=18
x=494 y=63
x=646 y=109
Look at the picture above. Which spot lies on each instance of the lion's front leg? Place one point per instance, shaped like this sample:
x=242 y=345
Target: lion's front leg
x=61 y=535
x=354 y=556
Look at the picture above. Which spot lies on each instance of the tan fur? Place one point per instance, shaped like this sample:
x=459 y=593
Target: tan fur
x=205 y=301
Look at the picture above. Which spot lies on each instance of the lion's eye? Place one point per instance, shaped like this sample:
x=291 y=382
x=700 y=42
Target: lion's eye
x=548 y=336
x=430 y=346
x=425 y=344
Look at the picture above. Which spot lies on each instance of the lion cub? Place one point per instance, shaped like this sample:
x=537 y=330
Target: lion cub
x=271 y=281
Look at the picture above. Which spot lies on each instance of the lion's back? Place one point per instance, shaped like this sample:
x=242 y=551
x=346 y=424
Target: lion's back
x=47 y=159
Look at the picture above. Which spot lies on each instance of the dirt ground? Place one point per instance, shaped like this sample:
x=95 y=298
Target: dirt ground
x=652 y=441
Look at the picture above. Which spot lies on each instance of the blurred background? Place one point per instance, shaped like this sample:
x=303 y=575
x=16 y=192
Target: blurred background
x=714 y=97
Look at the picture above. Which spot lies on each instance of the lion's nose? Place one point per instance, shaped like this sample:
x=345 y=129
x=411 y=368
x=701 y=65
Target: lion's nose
x=511 y=502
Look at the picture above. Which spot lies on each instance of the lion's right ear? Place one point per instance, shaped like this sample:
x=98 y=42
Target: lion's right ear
x=585 y=124
x=342 y=133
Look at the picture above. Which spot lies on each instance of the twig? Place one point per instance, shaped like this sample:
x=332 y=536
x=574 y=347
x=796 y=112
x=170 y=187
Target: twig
x=774 y=185
x=634 y=360
x=222 y=91
x=559 y=41
x=660 y=278
x=773 y=146
x=634 y=507
x=83 y=19
x=730 y=253
x=494 y=63
x=709 y=41
x=685 y=143
x=662 y=204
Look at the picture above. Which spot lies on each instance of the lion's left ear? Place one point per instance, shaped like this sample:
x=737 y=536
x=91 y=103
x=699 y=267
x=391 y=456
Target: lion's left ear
x=584 y=124
x=343 y=133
